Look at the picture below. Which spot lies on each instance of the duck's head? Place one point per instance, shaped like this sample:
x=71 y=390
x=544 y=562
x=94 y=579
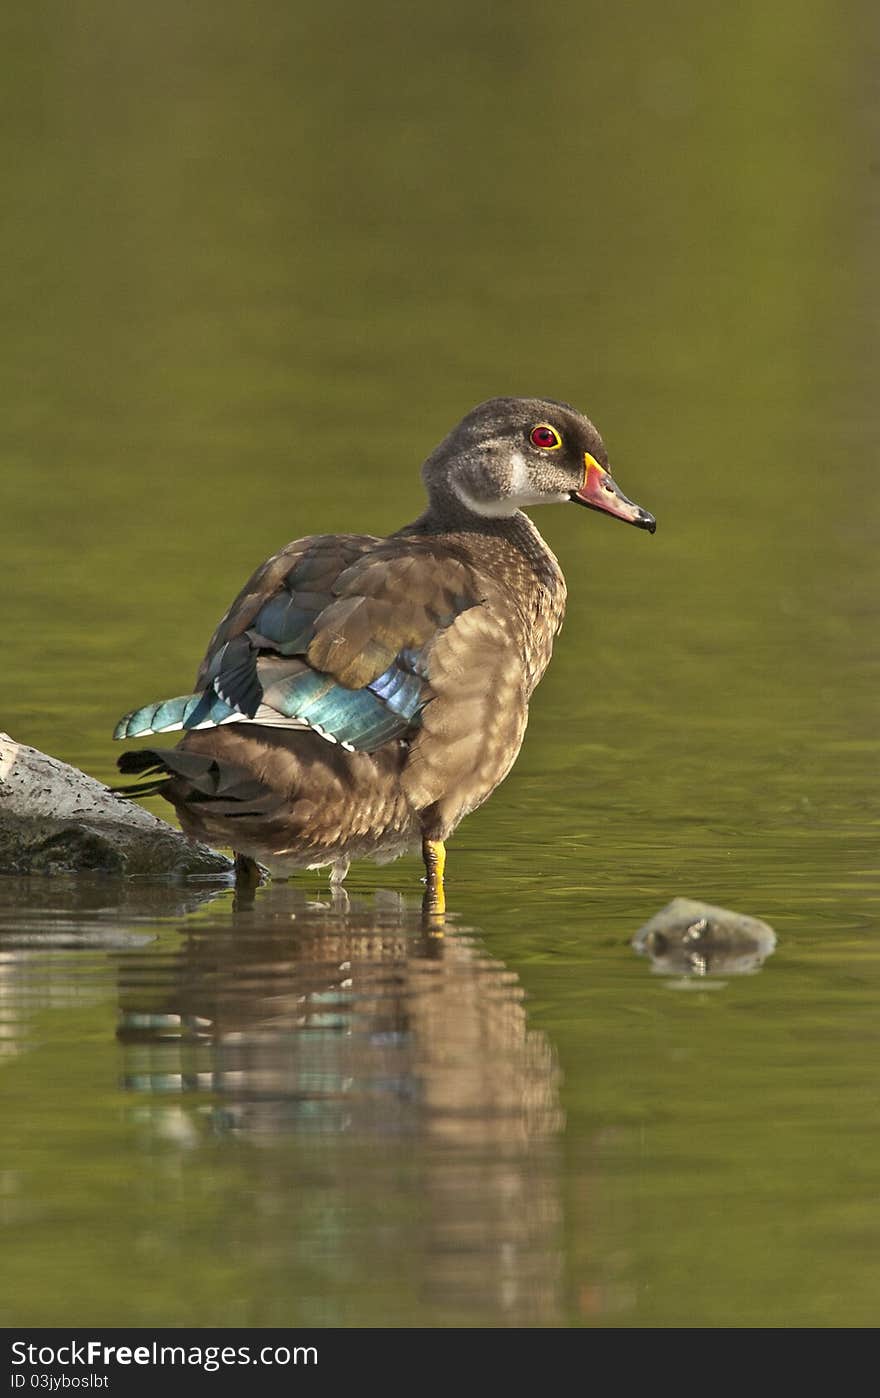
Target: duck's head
x=511 y=453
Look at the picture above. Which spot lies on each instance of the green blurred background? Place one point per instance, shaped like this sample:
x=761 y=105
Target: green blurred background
x=257 y=259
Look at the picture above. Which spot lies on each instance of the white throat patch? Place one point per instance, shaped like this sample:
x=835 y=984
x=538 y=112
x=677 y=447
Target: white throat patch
x=522 y=493
x=489 y=509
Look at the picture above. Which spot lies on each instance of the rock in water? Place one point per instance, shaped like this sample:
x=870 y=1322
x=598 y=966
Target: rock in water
x=692 y=938
x=56 y=820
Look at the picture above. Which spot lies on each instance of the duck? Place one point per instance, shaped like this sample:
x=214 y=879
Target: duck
x=362 y=695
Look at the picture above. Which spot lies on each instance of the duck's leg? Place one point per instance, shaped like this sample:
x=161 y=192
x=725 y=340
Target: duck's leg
x=247 y=872
x=248 y=878
x=339 y=899
x=338 y=872
x=434 y=855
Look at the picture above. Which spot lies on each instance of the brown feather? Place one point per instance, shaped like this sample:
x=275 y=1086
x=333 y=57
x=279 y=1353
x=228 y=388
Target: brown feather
x=319 y=559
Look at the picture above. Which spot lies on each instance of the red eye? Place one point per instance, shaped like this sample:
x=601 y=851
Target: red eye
x=545 y=437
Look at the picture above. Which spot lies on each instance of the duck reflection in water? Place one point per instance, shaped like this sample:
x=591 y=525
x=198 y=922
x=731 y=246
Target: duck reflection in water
x=325 y=1030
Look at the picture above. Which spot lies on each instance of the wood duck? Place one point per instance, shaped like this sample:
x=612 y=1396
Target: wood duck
x=361 y=695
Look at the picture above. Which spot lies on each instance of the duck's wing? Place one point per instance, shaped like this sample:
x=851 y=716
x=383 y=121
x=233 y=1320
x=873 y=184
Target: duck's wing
x=331 y=634
x=280 y=602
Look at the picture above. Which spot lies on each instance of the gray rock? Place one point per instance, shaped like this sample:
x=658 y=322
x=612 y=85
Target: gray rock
x=697 y=939
x=56 y=820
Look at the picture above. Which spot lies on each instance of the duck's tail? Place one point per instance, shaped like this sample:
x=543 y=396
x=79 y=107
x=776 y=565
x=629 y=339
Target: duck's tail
x=147 y=761
x=194 y=777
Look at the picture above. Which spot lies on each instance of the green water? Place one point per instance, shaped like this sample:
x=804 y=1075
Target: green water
x=257 y=259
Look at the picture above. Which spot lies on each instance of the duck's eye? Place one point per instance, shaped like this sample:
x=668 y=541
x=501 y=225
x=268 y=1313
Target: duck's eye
x=547 y=438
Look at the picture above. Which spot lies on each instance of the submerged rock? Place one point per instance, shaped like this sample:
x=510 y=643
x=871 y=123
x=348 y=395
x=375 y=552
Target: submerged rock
x=56 y=820
x=697 y=939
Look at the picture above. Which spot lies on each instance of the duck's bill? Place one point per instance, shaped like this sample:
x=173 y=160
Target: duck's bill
x=600 y=492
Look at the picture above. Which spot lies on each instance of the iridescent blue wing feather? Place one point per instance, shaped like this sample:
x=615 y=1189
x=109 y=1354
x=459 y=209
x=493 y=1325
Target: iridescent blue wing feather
x=333 y=634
